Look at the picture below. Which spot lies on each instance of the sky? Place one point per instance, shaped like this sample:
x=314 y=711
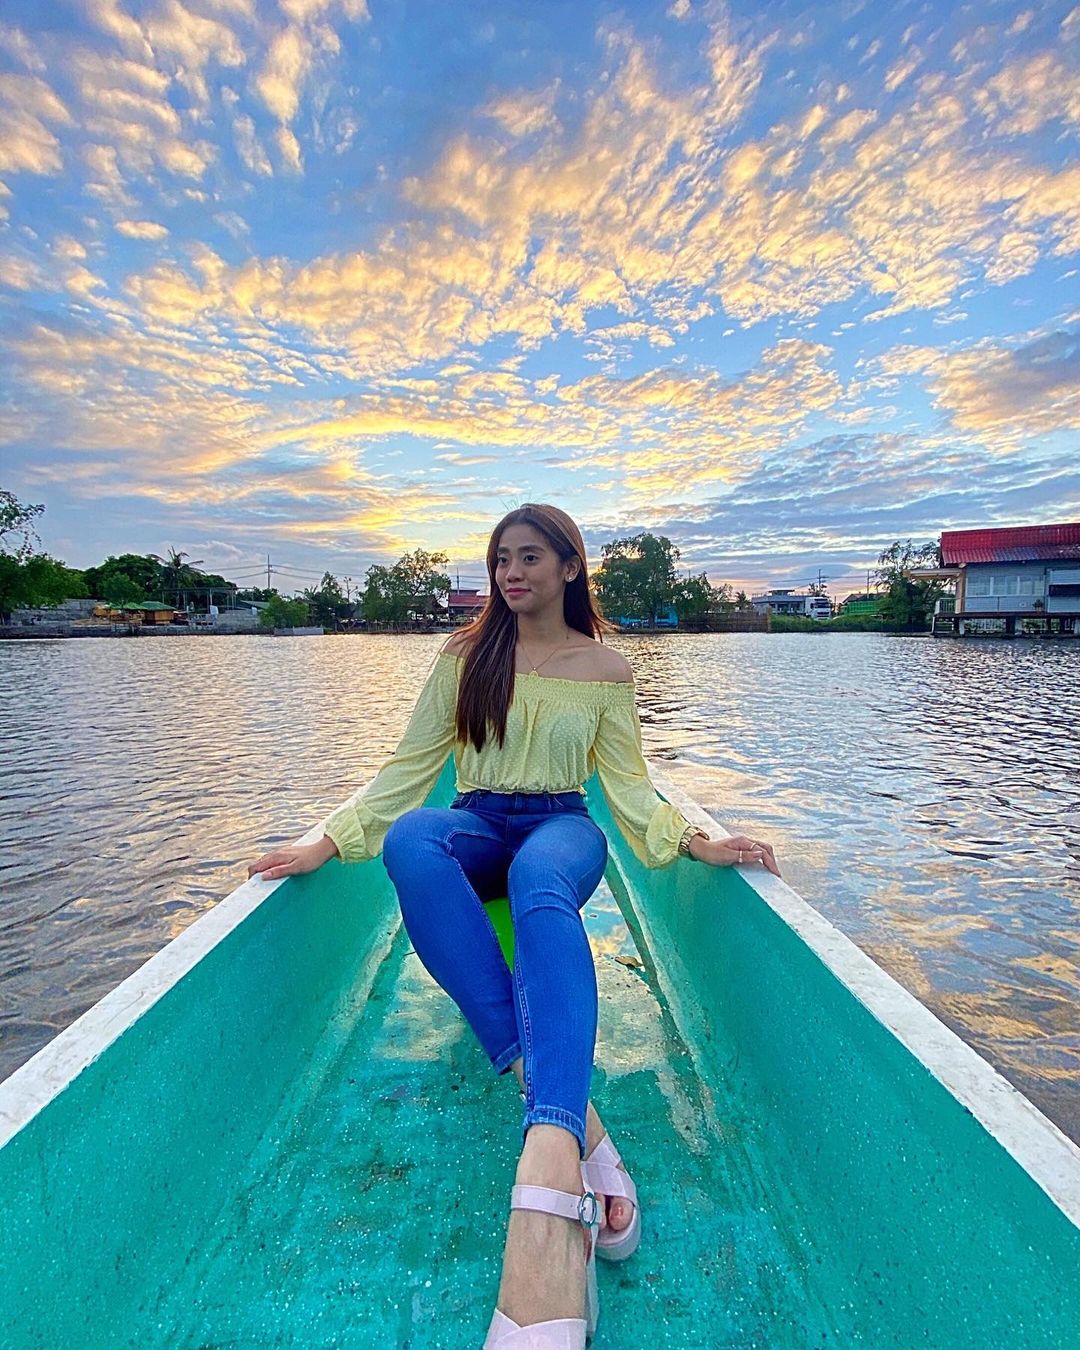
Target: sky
x=333 y=280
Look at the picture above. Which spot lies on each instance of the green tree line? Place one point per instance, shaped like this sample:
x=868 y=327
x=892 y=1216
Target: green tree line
x=637 y=579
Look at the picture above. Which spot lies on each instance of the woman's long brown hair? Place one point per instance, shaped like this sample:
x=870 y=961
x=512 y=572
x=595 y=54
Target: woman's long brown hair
x=486 y=687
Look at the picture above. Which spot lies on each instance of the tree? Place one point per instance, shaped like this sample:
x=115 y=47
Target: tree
x=419 y=581
x=15 y=519
x=637 y=578
x=722 y=599
x=380 y=602
x=120 y=590
x=413 y=585
x=694 y=597
x=178 y=574
x=327 y=602
x=281 y=613
x=27 y=577
x=743 y=602
x=38 y=580
x=142 y=570
x=908 y=603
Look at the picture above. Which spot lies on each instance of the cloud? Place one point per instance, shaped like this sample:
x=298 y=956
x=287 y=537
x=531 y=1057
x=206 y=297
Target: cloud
x=1002 y=391
x=68 y=248
x=188 y=43
x=141 y=229
x=525 y=113
x=236 y=225
x=252 y=155
x=188 y=406
x=632 y=332
x=289 y=149
x=846 y=128
x=301 y=11
x=27 y=145
x=106 y=180
x=134 y=127
x=173 y=39
x=19 y=273
x=641 y=205
x=288 y=61
x=1030 y=389
x=902 y=70
x=21 y=48
x=1029 y=92
x=34 y=97
x=293 y=54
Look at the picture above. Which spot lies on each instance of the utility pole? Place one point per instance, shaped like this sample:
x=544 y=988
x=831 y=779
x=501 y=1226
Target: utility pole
x=268 y=571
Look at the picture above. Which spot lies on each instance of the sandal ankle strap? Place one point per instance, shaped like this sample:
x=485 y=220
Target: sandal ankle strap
x=584 y=1209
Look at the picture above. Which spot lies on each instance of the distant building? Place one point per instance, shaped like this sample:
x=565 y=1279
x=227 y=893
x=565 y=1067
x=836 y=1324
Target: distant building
x=151 y=612
x=861 y=604
x=797 y=604
x=465 y=605
x=1014 y=579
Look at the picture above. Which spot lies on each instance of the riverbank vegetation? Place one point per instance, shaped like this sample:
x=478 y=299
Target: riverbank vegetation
x=637 y=582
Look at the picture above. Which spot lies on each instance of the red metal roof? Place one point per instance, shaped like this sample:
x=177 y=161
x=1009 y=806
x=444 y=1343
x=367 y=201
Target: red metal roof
x=1011 y=543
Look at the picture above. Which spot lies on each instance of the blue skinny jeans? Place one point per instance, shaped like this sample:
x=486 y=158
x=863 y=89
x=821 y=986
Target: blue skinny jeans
x=544 y=851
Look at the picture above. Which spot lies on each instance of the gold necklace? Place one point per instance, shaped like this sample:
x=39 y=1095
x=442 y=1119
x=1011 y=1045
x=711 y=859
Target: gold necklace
x=546 y=658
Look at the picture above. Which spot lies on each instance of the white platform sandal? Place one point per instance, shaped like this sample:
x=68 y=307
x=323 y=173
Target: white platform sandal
x=561 y=1333
x=602 y=1174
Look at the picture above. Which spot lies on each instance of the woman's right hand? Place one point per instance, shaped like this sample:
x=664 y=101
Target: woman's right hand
x=292 y=861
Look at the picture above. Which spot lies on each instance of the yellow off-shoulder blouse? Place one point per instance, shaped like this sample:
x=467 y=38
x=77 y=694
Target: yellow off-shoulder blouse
x=557 y=732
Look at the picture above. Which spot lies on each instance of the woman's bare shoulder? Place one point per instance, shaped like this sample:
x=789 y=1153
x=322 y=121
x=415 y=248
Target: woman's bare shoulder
x=610 y=666
x=457 y=645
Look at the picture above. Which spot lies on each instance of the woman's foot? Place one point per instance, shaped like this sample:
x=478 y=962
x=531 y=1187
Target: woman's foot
x=617 y=1212
x=543 y=1275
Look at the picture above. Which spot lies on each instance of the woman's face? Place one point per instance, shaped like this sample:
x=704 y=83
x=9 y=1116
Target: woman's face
x=528 y=571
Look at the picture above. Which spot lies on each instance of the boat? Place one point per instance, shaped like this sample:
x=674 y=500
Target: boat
x=279 y=1131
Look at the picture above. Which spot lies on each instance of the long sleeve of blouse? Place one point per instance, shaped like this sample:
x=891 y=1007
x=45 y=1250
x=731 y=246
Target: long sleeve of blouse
x=557 y=732
x=359 y=827
x=651 y=826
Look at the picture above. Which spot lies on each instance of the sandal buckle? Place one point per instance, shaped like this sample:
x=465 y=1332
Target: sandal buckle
x=594 y=1210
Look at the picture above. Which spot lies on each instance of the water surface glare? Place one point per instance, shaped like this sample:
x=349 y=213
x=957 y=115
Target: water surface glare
x=923 y=795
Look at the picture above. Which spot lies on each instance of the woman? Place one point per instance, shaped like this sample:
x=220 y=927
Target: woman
x=529 y=702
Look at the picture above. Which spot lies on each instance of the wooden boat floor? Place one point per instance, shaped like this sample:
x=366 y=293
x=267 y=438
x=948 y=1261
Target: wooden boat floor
x=375 y=1208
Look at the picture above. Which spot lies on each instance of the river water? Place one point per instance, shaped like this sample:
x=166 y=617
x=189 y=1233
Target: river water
x=923 y=795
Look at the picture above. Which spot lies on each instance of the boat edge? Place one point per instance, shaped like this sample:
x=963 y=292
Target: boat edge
x=34 y=1084
x=1031 y=1139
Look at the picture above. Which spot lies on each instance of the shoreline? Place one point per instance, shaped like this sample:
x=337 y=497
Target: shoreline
x=53 y=632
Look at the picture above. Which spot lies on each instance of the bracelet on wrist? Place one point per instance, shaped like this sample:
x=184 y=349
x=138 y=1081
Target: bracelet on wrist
x=691 y=832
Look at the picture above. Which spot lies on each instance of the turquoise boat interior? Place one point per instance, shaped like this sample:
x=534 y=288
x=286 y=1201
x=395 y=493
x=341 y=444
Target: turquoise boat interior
x=294 y=1140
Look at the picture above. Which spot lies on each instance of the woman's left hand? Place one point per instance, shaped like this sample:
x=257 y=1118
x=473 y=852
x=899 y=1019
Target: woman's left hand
x=733 y=851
